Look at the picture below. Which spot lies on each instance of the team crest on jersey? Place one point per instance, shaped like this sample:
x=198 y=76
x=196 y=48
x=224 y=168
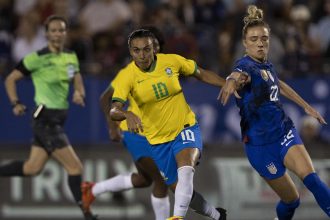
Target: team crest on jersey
x=168 y=71
x=70 y=70
x=264 y=75
x=272 y=168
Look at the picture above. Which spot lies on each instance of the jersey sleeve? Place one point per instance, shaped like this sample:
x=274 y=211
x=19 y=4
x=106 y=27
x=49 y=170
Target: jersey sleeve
x=187 y=67
x=242 y=67
x=21 y=67
x=122 y=85
x=28 y=64
x=114 y=82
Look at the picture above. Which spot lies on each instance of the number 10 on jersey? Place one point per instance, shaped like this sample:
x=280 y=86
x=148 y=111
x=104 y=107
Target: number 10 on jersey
x=160 y=90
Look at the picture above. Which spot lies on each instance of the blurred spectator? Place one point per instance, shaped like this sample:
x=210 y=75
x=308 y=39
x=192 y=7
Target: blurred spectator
x=321 y=30
x=7 y=18
x=68 y=9
x=30 y=36
x=22 y=7
x=303 y=54
x=104 y=15
x=7 y=25
x=204 y=30
x=138 y=11
x=310 y=132
x=82 y=45
x=164 y=18
x=45 y=8
x=182 y=42
x=225 y=50
x=184 y=11
x=208 y=12
x=5 y=52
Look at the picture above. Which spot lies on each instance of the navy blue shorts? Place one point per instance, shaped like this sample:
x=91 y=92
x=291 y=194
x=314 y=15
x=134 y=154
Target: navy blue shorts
x=137 y=145
x=164 y=154
x=268 y=160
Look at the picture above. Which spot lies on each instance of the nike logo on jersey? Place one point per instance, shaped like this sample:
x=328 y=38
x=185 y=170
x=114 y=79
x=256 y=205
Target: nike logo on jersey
x=288 y=143
x=140 y=81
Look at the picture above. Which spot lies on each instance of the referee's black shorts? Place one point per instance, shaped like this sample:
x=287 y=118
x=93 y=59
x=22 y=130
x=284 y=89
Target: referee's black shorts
x=48 y=131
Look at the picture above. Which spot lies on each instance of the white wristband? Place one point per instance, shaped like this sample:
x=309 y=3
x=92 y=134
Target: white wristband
x=230 y=77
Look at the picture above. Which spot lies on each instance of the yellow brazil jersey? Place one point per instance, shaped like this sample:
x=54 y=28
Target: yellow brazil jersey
x=132 y=106
x=158 y=94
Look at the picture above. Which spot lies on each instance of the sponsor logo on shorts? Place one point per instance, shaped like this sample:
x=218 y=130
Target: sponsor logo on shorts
x=163 y=175
x=288 y=138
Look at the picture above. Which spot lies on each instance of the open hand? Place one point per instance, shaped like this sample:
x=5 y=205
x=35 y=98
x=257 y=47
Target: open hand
x=315 y=114
x=134 y=123
x=227 y=90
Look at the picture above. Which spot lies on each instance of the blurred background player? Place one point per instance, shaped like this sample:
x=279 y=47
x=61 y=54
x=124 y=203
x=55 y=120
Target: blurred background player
x=51 y=69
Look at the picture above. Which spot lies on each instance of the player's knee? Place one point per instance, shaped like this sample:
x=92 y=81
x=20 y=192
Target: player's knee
x=140 y=180
x=75 y=170
x=145 y=182
x=31 y=169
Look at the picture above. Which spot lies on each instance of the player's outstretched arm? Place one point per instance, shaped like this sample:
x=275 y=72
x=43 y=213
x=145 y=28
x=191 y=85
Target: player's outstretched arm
x=209 y=77
x=289 y=93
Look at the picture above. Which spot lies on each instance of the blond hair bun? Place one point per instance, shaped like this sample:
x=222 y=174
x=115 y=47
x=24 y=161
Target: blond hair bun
x=253 y=14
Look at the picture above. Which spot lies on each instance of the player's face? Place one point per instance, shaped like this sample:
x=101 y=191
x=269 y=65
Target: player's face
x=56 y=34
x=256 y=42
x=142 y=52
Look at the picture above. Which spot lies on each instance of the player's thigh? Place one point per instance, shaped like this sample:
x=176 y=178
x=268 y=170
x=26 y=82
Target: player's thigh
x=148 y=167
x=284 y=188
x=36 y=161
x=298 y=161
x=68 y=158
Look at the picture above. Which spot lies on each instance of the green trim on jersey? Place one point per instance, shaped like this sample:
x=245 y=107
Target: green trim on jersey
x=118 y=100
x=196 y=69
x=51 y=74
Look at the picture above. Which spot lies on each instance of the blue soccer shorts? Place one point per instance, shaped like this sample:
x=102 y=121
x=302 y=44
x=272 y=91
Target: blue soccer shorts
x=164 y=154
x=137 y=145
x=268 y=160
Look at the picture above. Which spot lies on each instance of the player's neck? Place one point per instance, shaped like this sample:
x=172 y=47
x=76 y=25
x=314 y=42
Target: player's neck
x=152 y=65
x=55 y=49
x=263 y=60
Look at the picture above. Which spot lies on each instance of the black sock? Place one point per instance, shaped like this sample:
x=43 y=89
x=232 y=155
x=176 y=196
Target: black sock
x=75 y=187
x=14 y=168
x=200 y=205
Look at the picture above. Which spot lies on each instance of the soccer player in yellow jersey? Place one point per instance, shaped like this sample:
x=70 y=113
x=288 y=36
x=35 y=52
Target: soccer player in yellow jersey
x=166 y=119
x=139 y=148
